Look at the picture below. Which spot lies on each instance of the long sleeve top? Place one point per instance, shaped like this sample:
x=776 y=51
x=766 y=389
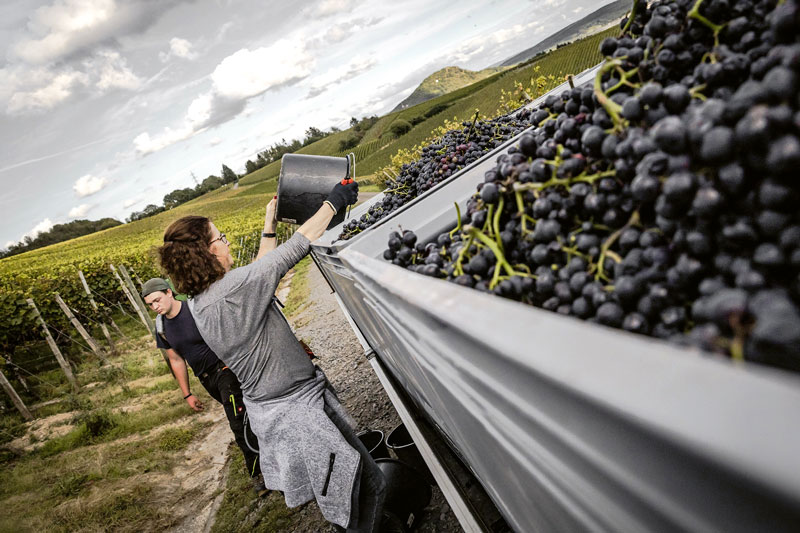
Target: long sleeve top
x=238 y=319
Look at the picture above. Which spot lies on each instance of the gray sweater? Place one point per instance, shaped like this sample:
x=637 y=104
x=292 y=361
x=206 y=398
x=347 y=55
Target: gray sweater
x=238 y=320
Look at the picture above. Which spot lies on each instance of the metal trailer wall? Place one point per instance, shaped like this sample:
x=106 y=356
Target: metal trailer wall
x=567 y=425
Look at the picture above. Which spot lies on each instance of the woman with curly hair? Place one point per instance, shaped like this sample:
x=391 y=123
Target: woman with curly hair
x=308 y=448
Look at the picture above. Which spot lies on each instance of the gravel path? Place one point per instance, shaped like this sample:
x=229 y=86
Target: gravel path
x=322 y=325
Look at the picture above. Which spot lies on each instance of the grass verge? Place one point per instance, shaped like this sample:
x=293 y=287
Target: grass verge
x=299 y=291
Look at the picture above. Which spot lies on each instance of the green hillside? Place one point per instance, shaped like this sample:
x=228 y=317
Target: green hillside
x=444 y=81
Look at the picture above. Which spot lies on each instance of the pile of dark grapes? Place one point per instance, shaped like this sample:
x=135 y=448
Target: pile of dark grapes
x=455 y=150
x=664 y=199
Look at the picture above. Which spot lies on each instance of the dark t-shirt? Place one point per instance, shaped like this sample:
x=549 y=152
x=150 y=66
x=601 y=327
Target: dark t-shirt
x=183 y=337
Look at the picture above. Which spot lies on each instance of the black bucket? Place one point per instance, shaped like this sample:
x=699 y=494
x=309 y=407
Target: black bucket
x=401 y=443
x=373 y=442
x=407 y=492
x=305 y=182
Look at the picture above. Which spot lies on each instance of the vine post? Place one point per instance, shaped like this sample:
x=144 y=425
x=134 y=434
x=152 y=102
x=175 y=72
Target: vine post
x=85 y=334
x=94 y=306
x=15 y=398
x=130 y=297
x=137 y=298
x=54 y=347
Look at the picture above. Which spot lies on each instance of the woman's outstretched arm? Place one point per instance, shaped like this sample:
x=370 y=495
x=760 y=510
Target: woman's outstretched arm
x=340 y=197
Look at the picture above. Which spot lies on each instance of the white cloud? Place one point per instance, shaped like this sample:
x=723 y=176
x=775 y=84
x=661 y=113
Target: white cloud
x=69 y=27
x=147 y=145
x=240 y=76
x=8 y=244
x=130 y=202
x=45 y=97
x=340 y=74
x=79 y=211
x=112 y=72
x=215 y=141
x=42 y=227
x=328 y=8
x=178 y=48
x=248 y=73
x=88 y=185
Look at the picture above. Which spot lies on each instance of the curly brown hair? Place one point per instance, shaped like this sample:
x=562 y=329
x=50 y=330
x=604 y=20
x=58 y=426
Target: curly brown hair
x=185 y=256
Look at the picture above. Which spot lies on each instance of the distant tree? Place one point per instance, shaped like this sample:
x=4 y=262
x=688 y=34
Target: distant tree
x=400 y=127
x=353 y=122
x=179 y=196
x=250 y=166
x=435 y=110
x=351 y=141
x=228 y=175
x=313 y=135
x=60 y=233
x=209 y=184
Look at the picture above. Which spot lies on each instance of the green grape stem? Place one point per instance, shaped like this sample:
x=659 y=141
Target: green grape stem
x=632 y=16
x=501 y=260
x=612 y=108
x=695 y=14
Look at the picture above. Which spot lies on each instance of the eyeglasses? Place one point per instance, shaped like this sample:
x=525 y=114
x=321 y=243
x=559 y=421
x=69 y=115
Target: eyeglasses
x=220 y=238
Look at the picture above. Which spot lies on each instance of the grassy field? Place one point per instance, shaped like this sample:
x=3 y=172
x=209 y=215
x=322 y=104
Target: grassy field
x=101 y=458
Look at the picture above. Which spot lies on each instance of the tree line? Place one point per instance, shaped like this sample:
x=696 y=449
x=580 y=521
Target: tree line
x=59 y=233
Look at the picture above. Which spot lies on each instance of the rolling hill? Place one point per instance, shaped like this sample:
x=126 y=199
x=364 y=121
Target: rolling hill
x=592 y=23
x=444 y=81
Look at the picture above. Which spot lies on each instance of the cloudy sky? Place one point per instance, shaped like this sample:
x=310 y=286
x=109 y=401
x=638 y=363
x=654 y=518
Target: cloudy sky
x=107 y=105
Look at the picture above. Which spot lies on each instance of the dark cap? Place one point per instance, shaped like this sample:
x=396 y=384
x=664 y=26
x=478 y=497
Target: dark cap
x=153 y=285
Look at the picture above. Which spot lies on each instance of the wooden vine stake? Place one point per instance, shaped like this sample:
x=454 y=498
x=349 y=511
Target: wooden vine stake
x=130 y=297
x=15 y=397
x=137 y=298
x=54 y=347
x=85 y=334
x=94 y=306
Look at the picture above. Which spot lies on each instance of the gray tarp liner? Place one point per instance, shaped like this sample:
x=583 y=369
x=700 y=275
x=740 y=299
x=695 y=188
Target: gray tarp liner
x=571 y=426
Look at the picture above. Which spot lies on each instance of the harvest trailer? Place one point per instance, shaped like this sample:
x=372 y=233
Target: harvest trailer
x=539 y=422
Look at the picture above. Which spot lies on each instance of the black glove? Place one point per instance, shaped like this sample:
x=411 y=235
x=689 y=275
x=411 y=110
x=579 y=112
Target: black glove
x=343 y=195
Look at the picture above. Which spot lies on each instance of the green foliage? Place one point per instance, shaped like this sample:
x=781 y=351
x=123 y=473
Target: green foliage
x=148 y=211
x=60 y=233
x=174 y=439
x=70 y=484
x=400 y=127
x=435 y=110
x=128 y=510
x=349 y=142
x=179 y=196
x=299 y=292
x=97 y=423
x=228 y=175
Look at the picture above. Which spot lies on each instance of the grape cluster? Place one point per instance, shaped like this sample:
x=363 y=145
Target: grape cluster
x=455 y=150
x=664 y=199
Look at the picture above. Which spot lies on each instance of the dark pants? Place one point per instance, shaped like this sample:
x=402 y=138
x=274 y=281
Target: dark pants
x=223 y=386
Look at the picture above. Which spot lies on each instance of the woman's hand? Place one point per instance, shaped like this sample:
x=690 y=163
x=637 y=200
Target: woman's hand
x=270 y=219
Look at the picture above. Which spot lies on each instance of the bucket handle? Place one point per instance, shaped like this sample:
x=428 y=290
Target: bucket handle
x=352 y=166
